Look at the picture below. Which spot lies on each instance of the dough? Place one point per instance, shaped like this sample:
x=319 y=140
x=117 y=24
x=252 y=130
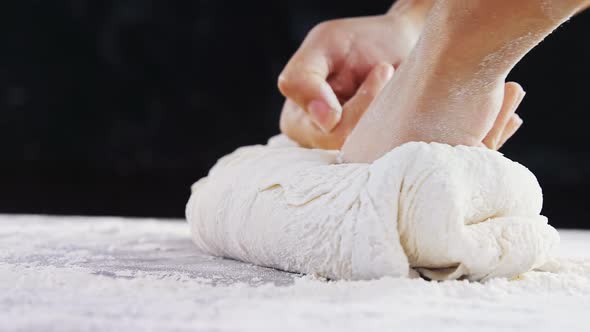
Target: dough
x=446 y=212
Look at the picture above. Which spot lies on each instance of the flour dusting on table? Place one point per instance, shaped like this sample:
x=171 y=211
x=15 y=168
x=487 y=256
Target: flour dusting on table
x=85 y=274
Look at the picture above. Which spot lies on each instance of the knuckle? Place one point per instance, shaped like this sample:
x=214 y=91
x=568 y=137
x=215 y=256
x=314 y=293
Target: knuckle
x=323 y=28
x=284 y=82
x=291 y=80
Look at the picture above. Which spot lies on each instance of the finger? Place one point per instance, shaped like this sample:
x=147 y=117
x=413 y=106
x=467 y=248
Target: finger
x=345 y=82
x=296 y=124
x=513 y=94
x=512 y=127
x=304 y=81
x=354 y=109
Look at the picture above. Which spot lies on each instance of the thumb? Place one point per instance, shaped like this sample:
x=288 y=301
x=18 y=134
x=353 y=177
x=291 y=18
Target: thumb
x=304 y=81
x=375 y=81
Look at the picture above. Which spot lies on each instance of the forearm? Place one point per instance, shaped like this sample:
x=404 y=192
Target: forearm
x=451 y=87
x=484 y=27
x=584 y=7
x=420 y=9
x=488 y=37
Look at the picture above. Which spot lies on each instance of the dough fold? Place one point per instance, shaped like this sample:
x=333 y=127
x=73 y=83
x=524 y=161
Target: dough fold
x=446 y=212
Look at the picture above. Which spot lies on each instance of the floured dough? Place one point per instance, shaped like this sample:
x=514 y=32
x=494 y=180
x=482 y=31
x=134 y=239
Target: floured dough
x=446 y=212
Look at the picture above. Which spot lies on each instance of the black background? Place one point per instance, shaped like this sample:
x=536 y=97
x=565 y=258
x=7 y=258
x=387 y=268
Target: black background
x=116 y=107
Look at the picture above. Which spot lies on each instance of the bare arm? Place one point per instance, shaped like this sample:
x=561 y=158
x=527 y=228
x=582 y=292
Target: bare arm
x=450 y=88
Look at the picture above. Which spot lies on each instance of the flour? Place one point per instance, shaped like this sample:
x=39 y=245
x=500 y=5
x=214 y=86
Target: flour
x=446 y=212
x=93 y=274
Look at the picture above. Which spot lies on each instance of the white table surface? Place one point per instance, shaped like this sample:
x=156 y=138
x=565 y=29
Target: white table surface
x=115 y=274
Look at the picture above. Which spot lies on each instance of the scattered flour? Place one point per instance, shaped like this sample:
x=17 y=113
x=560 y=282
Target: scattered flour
x=112 y=274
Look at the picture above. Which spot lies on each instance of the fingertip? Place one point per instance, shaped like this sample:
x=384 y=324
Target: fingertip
x=329 y=96
x=324 y=116
x=385 y=71
x=304 y=89
x=516 y=90
x=514 y=86
x=283 y=85
x=512 y=127
x=377 y=79
x=517 y=102
x=511 y=93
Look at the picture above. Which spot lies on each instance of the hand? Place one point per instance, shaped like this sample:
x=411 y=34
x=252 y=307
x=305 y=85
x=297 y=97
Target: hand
x=414 y=110
x=451 y=90
x=298 y=125
x=337 y=56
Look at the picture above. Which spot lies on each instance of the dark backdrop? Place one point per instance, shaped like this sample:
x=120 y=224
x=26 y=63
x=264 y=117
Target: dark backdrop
x=116 y=107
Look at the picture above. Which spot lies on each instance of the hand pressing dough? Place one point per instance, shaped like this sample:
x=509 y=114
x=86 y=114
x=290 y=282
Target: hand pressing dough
x=446 y=212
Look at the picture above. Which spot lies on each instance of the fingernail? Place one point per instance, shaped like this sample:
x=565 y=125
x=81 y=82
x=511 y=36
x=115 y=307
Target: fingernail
x=323 y=115
x=386 y=72
x=520 y=98
x=330 y=98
